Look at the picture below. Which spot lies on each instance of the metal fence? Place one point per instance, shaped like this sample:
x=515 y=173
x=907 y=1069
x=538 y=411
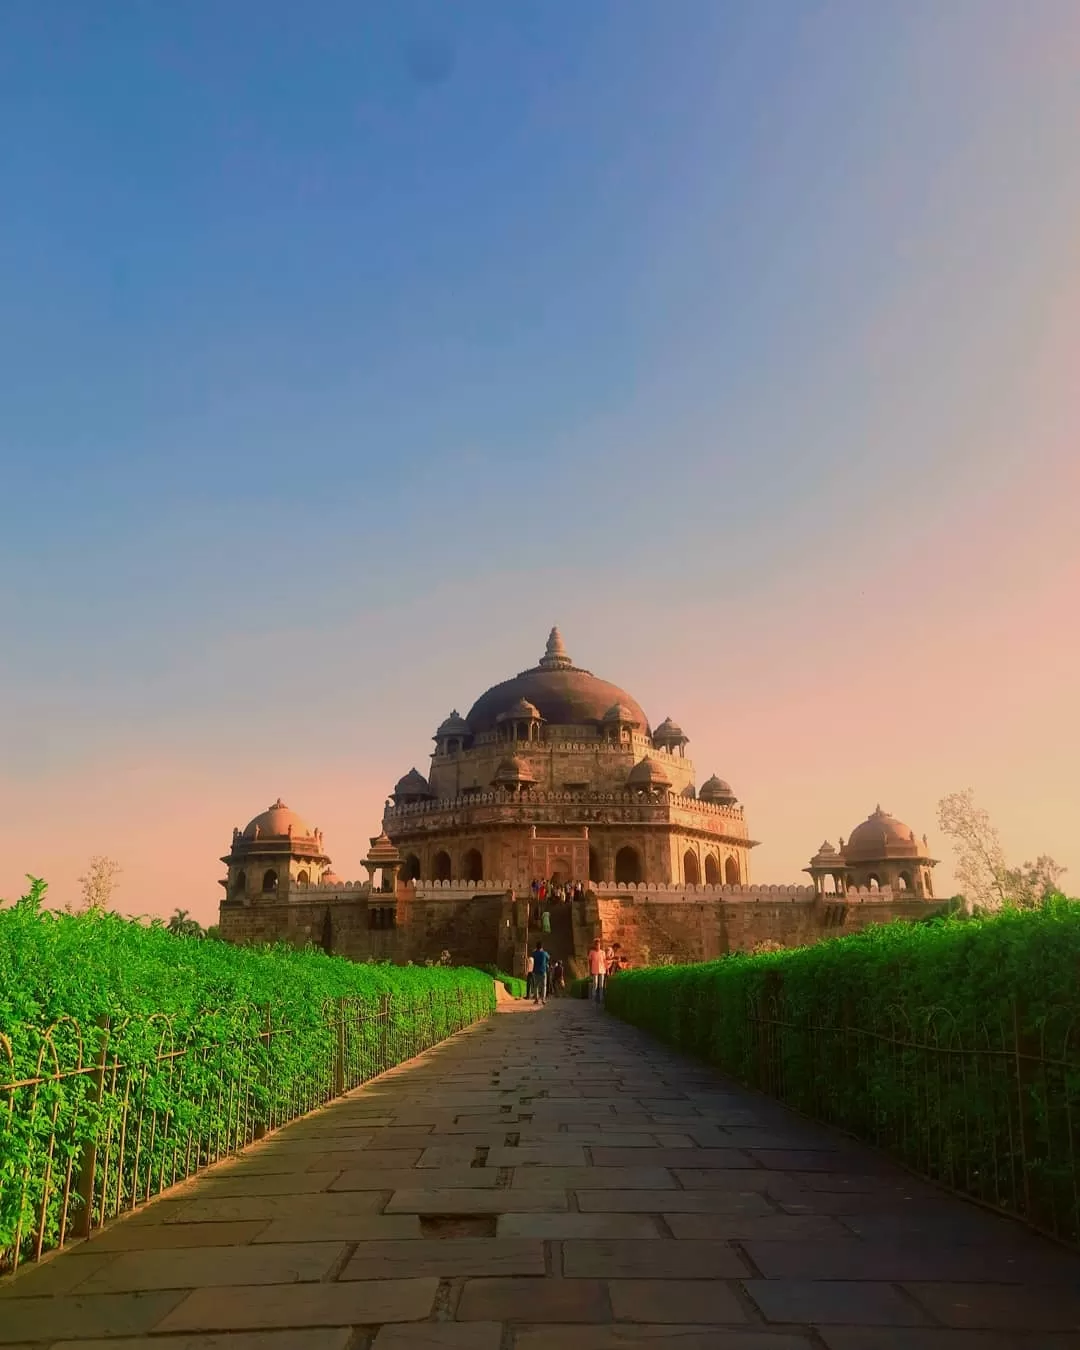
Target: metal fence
x=989 y=1109
x=96 y=1121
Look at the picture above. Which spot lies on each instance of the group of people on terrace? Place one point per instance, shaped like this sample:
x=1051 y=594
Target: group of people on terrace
x=556 y=891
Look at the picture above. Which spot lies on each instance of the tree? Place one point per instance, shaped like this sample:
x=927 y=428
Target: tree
x=985 y=878
x=99 y=883
x=1029 y=885
x=180 y=925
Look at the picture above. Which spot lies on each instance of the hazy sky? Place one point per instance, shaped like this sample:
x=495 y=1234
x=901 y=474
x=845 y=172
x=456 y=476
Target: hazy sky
x=345 y=348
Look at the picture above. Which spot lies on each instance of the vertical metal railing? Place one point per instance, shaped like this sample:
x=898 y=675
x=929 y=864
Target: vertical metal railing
x=986 y=1108
x=97 y=1122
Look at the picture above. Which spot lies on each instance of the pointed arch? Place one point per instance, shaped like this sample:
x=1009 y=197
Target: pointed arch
x=712 y=870
x=473 y=865
x=627 y=865
x=731 y=872
x=303 y=877
x=691 y=868
x=441 y=866
x=269 y=882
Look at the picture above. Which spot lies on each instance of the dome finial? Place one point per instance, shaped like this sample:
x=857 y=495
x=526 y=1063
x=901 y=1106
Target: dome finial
x=555 y=657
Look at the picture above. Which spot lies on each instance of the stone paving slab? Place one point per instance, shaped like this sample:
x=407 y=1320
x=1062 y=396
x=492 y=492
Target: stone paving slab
x=552 y=1180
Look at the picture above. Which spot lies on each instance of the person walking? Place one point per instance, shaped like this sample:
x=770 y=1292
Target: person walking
x=540 y=974
x=597 y=971
x=530 y=976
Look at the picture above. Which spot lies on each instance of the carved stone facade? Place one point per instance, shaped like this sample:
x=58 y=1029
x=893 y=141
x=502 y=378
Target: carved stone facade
x=556 y=774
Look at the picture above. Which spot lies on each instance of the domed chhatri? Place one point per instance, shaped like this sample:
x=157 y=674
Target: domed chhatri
x=413 y=787
x=277 y=822
x=648 y=773
x=880 y=853
x=716 y=790
x=273 y=855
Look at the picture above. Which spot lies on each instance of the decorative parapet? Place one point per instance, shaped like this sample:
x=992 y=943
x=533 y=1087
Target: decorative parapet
x=692 y=805
x=647 y=890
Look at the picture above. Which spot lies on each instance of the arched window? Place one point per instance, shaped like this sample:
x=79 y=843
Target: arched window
x=594 y=865
x=691 y=868
x=627 y=865
x=269 y=882
x=473 y=865
x=240 y=884
x=731 y=871
x=874 y=883
x=712 y=870
x=410 y=868
x=442 y=866
x=302 y=878
x=904 y=881
x=927 y=883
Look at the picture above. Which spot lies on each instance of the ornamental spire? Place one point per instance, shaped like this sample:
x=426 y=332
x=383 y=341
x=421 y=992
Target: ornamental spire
x=555 y=657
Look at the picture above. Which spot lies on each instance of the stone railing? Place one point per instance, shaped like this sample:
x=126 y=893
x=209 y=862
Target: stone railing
x=493 y=797
x=621 y=889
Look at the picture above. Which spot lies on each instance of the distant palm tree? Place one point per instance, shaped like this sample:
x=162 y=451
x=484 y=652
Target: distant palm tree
x=181 y=926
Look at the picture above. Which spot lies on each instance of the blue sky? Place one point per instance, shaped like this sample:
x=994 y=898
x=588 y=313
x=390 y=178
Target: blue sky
x=337 y=331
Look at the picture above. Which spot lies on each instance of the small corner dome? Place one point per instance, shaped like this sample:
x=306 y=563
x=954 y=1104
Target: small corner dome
x=330 y=878
x=619 y=712
x=414 y=784
x=514 y=771
x=881 y=836
x=277 y=822
x=520 y=711
x=648 y=773
x=718 y=791
x=454 y=725
x=669 y=731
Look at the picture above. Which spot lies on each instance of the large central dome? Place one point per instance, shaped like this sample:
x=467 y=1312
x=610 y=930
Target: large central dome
x=564 y=694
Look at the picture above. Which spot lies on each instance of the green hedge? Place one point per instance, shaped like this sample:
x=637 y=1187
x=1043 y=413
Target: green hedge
x=188 y=1050
x=953 y=1045
x=514 y=985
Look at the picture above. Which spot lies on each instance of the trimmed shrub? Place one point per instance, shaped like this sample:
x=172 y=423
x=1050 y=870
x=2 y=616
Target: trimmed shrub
x=131 y=1058
x=953 y=1045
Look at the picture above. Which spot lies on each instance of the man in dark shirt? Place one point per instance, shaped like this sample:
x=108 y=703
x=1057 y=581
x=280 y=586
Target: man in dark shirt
x=540 y=974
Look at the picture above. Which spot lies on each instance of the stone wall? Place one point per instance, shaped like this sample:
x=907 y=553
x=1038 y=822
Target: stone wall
x=485 y=923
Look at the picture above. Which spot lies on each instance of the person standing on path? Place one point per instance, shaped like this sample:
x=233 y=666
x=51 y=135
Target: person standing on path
x=597 y=971
x=540 y=973
x=529 y=977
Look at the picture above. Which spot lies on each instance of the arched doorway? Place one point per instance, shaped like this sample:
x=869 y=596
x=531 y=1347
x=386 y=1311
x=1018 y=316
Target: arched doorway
x=473 y=865
x=731 y=871
x=873 y=882
x=269 y=882
x=442 y=866
x=712 y=870
x=240 y=884
x=594 y=866
x=410 y=868
x=904 y=881
x=627 y=865
x=691 y=868
x=560 y=872
x=302 y=878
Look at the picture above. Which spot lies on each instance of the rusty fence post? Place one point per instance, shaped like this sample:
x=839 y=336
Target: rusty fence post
x=339 y=1066
x=88 y=1170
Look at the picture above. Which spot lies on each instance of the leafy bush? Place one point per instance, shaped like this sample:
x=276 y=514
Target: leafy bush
x=953 y=1044
x=185 y=1050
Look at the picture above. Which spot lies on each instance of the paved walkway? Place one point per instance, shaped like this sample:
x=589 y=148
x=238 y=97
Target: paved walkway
x=552 y=1180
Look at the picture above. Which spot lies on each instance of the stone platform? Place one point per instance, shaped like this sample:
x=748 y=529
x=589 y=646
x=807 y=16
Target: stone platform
x=552 y=1180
